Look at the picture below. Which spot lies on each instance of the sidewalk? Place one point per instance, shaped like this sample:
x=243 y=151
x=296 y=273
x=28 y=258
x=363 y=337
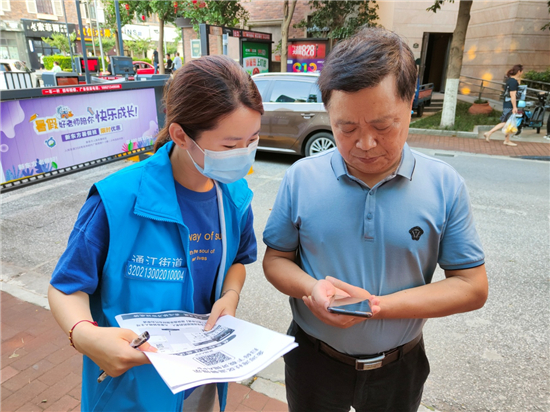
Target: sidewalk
x=41 y=372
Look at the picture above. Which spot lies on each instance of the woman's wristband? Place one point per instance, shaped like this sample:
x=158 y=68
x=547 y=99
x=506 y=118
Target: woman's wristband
x=74 y=326
x=238 y=295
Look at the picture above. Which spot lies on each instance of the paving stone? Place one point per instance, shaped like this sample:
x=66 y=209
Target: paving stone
x=18 y=398
x=7 y=373
x=66 y=403
x=254 y=400
x=273 y=405
x=26 y=376
x=58 y=390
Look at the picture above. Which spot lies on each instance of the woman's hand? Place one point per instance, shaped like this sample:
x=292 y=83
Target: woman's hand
x=327 y=289
x=225 y=305
x=110 y=348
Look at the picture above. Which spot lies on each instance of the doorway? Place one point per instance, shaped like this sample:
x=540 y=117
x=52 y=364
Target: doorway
x=435 y=58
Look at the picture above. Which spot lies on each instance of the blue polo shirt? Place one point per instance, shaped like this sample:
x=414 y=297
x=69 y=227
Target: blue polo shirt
x=384 y=239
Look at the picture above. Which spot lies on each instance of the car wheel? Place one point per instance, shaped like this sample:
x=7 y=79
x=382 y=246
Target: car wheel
x=320 y=142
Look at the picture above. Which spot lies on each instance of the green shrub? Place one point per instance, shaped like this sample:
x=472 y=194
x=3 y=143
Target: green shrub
x=142 y=59
x=538 y=76
x=64 y=62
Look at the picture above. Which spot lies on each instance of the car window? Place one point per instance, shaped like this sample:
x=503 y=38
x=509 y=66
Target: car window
x=285 y=91
x=262 y=85
x=4 y=67
x=315 y=94
x=18 y=66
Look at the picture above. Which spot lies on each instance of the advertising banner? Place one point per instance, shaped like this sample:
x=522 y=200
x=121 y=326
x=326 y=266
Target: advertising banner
x=41 y=135
x=306 y=56
x=255 y=57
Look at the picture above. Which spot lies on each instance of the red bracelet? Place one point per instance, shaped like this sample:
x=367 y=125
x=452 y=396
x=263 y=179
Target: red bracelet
x=74 y=326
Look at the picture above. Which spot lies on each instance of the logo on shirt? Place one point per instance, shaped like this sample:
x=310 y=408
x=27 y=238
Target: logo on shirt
x=416 y=232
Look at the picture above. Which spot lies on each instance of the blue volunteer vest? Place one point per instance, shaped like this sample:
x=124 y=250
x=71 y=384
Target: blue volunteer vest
x=147 y=271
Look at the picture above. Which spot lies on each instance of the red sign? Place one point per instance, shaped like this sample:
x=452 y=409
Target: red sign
x=252 y=35
x=307 y=51
x=79 y=89
x=236 y=33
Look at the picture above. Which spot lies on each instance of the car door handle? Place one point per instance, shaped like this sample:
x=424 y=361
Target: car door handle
x=307 y=115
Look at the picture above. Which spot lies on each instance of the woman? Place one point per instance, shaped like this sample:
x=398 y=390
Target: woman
x=187 y=199
x=509 y=106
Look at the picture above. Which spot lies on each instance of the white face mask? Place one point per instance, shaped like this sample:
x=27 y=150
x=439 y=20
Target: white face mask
x=227 y=166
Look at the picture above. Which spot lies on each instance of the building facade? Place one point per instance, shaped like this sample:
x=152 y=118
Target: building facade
x=500 y=34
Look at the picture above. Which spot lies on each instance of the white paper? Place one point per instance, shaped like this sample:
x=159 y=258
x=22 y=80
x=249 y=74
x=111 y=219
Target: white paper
x=188 y=356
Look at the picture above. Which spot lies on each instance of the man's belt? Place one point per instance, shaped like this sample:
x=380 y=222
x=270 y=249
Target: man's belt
x=365 y=363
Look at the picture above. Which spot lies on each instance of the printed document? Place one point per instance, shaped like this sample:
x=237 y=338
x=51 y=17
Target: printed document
x=188 y=356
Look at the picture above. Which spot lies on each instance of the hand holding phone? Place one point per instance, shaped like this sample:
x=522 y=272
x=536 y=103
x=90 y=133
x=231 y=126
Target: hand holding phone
x=351 y=306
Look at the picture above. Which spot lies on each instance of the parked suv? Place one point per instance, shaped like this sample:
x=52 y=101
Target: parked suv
x=295 y=120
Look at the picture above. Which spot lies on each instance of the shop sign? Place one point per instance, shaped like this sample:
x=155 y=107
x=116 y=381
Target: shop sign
x=304 y=57
x=256 y=35
x=37 y=28
x=89 y=32
x=49 y=133
x=80 y=89
x=195 y=48
x=255 y=57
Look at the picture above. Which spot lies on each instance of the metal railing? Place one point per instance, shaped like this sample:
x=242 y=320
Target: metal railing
x=487 y=89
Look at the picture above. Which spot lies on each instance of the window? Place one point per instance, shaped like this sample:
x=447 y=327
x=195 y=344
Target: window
x=5 y=6
x=44 y=6
x=31 y=6
x=285 y=91
x=262 y=85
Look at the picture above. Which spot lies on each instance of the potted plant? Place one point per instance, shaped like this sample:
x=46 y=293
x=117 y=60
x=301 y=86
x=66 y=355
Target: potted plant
x=480 y=106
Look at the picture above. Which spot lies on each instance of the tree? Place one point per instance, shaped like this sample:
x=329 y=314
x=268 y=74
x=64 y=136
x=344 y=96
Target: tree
x=60 y=42
x=455 y=59
x=166 y=11
x=288 y=12
x=138 y=45
x=547 y=25
x=127 y=13
x=108 y=43
x=217 y=13
x=339 y=19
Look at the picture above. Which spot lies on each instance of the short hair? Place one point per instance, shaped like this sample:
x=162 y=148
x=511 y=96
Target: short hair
x=56 y=62
x=364 y=60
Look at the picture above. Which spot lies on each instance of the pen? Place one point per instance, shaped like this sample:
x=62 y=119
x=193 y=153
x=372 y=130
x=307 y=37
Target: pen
x=136 y=343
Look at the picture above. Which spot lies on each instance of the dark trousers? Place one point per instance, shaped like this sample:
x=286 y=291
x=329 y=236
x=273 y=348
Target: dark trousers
x=317 y=382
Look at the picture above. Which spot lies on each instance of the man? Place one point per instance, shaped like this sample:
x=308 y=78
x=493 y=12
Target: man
x=56 y=67
x=156 y=59
x=177 y=61
x=372 y=217
x=168 y=67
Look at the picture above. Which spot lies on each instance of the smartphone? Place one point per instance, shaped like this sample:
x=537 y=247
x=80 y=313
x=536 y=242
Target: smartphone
x=351 y=307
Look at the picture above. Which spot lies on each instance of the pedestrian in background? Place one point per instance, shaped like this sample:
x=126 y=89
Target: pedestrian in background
x=509 y=107
x=168 y=67
x=56 y=67
x=156 y=60
x=177 y=61
x=139 y=221
x=371 y=217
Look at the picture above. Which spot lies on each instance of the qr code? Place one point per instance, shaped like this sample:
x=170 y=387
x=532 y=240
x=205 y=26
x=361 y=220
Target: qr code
x=213 y=358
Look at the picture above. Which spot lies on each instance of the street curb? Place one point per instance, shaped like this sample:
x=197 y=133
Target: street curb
x=25 y=295
x=452 y=133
